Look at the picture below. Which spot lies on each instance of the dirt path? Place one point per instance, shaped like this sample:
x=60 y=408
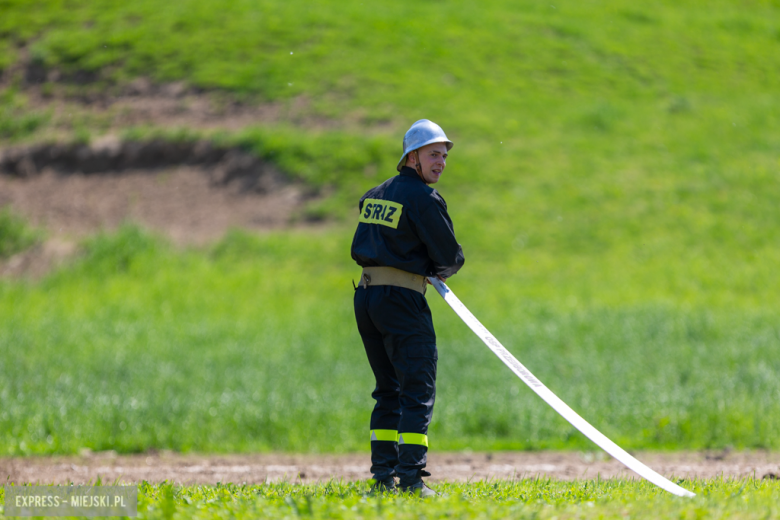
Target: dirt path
x=254 y=469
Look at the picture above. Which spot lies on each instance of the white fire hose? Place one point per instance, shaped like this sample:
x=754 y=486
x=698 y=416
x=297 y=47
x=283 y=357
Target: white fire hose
x=550 y=398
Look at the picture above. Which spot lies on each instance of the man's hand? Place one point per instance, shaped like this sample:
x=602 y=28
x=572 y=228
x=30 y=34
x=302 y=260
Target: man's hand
x=440 y=277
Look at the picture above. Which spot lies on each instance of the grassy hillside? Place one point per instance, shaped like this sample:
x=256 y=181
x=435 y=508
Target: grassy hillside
x=613 y=183
x=609 y=144
x=462 y=63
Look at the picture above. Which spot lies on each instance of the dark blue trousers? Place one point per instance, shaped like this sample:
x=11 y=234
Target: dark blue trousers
x=397 y=330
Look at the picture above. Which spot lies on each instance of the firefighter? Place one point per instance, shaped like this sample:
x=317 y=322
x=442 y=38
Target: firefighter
x=404 y=235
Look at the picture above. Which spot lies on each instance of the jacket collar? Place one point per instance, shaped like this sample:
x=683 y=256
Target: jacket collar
x=409 y=172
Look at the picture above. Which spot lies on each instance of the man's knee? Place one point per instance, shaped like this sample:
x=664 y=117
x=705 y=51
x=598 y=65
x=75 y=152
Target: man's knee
x=419 y=373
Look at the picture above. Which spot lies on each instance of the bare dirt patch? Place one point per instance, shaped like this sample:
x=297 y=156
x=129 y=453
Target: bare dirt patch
x=257 y=469
x=180 y=201
x=192 y=192
x=142 y=103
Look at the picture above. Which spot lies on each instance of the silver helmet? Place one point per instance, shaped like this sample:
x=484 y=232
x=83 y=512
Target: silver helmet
x=422 y=133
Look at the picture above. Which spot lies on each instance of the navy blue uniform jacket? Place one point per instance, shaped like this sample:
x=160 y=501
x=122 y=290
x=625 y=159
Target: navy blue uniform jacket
x=404 y=224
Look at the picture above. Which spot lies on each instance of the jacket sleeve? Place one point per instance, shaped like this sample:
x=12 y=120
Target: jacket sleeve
x=438 y=234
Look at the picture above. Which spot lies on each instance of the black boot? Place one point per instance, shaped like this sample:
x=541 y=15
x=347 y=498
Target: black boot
x=419 y=489
x=386 y=485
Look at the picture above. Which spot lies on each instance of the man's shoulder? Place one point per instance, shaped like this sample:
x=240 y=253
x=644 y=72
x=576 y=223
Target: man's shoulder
x=378 y=190
x=408 y=190
x=429 y=196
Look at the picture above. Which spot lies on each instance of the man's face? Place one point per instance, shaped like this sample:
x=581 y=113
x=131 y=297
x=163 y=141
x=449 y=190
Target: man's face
x=433 y=160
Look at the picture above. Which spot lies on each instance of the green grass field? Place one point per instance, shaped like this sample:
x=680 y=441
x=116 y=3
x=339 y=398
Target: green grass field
x=531 y=499
x=613 y=184
x=250 y=345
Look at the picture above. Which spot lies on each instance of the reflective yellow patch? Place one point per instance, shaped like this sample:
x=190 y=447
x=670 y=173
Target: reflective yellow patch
x=384 y=435
x=382 y=212
x=413 y=438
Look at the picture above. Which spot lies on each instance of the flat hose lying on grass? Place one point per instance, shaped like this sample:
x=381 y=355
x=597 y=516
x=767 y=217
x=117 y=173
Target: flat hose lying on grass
x=550 y=398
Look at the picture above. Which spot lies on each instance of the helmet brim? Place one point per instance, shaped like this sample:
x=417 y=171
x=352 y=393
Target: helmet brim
x=402 y=161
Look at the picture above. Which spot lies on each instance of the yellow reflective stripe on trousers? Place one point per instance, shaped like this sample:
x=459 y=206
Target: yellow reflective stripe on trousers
x=413 y=438
x=384 y=435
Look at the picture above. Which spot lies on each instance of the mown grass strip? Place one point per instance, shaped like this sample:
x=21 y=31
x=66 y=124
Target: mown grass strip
x=528 y=498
